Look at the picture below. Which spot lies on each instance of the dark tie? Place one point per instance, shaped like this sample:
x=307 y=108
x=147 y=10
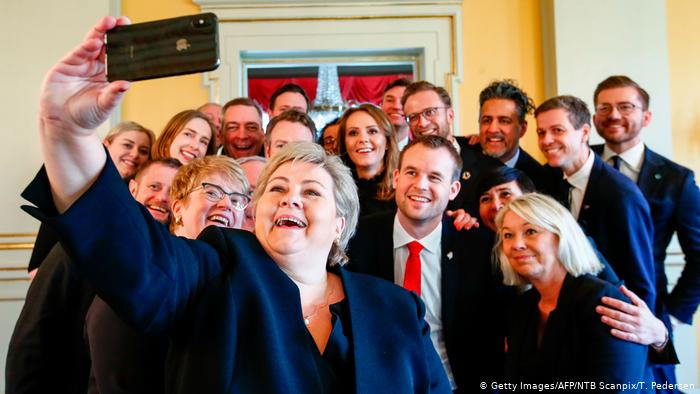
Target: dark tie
x=564 y=192
x=411 y=278
x=617 y=160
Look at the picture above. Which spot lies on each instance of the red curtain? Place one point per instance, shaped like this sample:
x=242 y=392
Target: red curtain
x=361 y=88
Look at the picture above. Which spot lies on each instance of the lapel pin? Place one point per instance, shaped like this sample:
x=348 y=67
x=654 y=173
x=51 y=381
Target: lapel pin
x=466 y=175
x=657 y=176
x=586 y=206
x=449 y=255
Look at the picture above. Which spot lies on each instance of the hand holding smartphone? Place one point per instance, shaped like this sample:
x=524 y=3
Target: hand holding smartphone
x=163 y=48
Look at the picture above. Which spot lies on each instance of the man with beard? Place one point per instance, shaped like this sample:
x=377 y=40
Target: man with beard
x=502 y=110
x=622 y=111
x=47 y=351
x=418 y=248
x=429 y=111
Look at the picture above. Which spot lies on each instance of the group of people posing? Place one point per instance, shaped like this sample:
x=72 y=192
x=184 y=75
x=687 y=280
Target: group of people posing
x=221 y=257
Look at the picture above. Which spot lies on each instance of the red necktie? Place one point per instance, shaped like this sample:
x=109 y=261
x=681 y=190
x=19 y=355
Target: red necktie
x=411 y=278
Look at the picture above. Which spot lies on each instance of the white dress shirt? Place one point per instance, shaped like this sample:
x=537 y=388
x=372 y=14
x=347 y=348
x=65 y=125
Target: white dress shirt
x=579 y=181
x=631 y=163
x=511 y=163
x=430 y=272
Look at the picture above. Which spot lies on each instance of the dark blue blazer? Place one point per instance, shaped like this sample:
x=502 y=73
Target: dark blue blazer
x=674 y=199
x=233 y=316
x=576 y=345
x=470 y=292
x=615 y=214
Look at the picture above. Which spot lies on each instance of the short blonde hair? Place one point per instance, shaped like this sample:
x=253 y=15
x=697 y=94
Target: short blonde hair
x=575 y=251
x=347 y=204
x=191 y=175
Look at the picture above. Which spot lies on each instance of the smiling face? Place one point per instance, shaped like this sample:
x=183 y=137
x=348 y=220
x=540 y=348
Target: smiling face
x=285 y=132
x=562 y=145
x=424 y=186
x=531 y=250
x=621 y=131
x=499 y=128
x=495 y=199
x=128 y=151
x=151 y=188
x=192 y=141
x=365 y=143
x=437 y=124
x=197 y=212
x=391 y=105
x=242 y=132
x=296 y=219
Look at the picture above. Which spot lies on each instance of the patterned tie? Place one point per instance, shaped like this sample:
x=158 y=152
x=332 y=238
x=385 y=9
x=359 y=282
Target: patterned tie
x=617 y=161
x=411 y=278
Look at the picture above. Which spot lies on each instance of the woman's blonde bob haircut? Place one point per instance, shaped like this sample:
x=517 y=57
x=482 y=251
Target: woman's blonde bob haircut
x=125 y=126
x=347 y=204
x=575 y=251
x=192 y=174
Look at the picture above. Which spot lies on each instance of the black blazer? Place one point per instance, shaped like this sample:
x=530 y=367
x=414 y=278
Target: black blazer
x=47 y=350
x=576 y=345
x=470 y=292
x=233 y=315
x=615 y=214
x=474 y=163
x=527 y=164
x=674 y=199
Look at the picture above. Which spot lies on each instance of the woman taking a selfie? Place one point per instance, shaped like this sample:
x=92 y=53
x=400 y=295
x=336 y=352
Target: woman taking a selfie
x=267 y=312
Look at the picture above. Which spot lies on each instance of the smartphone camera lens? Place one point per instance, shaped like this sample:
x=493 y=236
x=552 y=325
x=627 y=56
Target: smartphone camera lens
x=200 y=22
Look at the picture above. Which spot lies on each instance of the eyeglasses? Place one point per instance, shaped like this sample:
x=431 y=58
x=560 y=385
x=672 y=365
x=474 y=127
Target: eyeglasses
x=622 y=108
x=427 y=113
x=215 y=193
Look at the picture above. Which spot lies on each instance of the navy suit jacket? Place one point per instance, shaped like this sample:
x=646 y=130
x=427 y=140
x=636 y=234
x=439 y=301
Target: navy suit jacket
x=233 y=315
x=674 y=199
x=576 y=345
x=474 y=300
x=615 y=214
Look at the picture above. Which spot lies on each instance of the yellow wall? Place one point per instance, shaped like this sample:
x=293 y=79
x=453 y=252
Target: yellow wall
x=684 y=78
x=501 y=39
x=153 y=102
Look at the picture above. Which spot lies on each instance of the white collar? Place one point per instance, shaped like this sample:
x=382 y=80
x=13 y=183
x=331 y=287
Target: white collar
x=579 y=179
x=633 y=157
x=431 y=242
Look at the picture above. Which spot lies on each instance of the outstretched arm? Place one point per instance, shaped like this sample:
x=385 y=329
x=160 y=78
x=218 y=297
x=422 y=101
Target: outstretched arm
x=75 y=98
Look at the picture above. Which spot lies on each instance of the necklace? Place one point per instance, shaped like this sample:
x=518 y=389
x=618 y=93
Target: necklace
x=330 y=291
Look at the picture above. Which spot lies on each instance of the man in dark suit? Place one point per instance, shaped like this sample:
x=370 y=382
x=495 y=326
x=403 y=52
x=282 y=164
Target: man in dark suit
x=622 y=111
x=502 y=109
x=465 y=302
x=608 y=206
x=429 y=111
x=47 y=351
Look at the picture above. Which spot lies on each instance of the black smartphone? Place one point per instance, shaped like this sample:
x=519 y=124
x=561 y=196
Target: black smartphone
x=163 y=48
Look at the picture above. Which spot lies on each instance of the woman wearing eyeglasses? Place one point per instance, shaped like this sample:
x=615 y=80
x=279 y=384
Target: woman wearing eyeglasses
x=208 y=191
x=270 y=312
x=367 y=144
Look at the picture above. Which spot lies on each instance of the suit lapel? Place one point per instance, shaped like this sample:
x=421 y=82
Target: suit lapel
x=589 y=198
x=449 y=276
x=651 y=173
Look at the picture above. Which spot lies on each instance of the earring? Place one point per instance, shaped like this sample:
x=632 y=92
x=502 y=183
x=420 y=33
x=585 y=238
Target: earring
x=178 y=220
